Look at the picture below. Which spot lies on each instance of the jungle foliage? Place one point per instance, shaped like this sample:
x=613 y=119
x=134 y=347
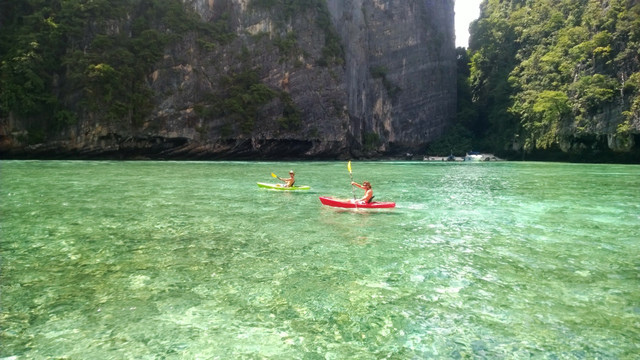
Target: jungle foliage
x=547 y=72
x=240 y=100
x=63 y=58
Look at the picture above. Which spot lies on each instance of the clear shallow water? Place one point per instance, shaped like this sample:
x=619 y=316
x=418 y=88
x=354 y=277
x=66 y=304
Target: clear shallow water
x=152 y=260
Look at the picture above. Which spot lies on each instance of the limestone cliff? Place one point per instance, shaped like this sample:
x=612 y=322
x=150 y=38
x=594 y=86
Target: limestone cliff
x=317 y=79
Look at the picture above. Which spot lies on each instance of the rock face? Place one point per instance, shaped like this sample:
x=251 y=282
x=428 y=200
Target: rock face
x=399 y=69
x=346 y=78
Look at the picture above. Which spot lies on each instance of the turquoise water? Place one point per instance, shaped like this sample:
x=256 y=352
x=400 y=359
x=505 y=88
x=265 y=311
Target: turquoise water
x=190 y=260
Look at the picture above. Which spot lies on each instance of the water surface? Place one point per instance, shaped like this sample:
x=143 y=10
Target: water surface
x=169 y=260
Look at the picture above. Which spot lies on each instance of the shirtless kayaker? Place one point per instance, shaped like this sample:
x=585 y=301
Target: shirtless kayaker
x=368 y=193
x=290 y=181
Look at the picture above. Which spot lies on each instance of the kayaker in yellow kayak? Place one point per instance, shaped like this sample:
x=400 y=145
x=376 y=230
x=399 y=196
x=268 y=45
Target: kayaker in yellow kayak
x=368 y=193
x=290 y=181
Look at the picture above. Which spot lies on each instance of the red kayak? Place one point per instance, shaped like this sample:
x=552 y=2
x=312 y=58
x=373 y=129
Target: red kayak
x=352 y=204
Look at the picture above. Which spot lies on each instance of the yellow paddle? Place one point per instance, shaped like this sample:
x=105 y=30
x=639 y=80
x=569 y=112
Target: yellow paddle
x=353 y=191
x=276 y=176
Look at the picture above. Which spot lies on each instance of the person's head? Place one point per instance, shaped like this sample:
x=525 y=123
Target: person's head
x=366 y=184
x=291 y=173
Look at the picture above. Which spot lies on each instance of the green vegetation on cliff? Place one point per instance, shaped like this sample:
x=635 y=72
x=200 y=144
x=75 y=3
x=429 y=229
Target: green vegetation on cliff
x=240 y=100
x=62 y=61
x=287 y=10
x=550 y=75
x=64 y=58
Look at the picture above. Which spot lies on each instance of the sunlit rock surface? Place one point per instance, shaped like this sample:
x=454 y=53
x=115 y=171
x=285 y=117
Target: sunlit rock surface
x=392 y=89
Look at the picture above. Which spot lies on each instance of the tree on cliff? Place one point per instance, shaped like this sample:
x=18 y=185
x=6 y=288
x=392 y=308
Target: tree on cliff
x=549 y=74
x=59 y=59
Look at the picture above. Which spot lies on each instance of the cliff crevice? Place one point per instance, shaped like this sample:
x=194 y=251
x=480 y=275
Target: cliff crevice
x=257 y=79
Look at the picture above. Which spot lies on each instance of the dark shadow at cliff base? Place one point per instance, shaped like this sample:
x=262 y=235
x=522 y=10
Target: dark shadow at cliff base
x=604 y=157
x=157 y=148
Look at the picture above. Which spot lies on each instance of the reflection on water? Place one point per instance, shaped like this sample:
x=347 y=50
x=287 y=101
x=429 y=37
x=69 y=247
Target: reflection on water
x=192 y=260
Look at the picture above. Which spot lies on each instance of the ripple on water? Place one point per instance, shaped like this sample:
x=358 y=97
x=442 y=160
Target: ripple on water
x=191 y=260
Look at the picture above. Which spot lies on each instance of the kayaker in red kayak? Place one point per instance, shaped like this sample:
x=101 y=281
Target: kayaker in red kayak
x=368 y=193
x=290 y=181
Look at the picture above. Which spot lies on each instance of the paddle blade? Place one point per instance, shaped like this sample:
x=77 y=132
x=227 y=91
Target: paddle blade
x=274 y=175
x=349 y=166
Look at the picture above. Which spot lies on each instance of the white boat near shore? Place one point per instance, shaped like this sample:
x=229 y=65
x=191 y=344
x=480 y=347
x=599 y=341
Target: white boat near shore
x=476 y=156
x=473 y=156
x=469 y=157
